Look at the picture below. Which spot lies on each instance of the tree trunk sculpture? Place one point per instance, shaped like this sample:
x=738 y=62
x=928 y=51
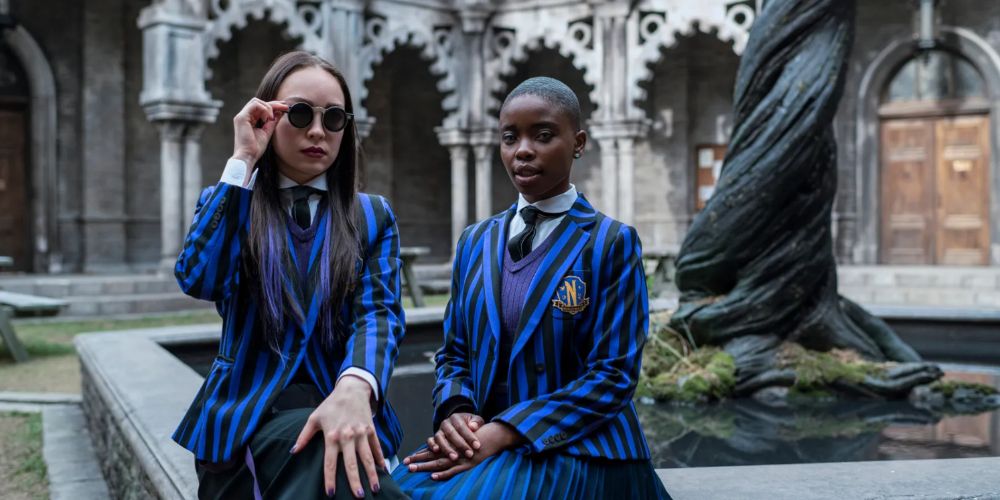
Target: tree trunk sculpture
x=757 y=269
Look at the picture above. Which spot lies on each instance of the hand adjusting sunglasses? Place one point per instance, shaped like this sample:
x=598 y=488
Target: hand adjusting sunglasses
x=335 y=118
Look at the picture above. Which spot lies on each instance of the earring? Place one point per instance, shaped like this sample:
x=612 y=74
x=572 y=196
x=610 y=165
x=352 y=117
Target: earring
x=577 y=155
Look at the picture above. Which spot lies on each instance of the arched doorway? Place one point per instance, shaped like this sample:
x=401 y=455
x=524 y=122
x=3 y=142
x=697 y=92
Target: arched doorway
x=15 y=198
x=236 y=72
x=403 y=158
x=934 y=163
x=689 y=97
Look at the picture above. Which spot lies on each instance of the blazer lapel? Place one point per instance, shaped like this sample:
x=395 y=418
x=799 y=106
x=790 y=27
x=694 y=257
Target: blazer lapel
x=571 y=237
x=494 y=246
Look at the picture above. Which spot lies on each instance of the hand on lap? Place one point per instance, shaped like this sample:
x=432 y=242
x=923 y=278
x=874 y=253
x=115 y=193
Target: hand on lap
x=345 y=420
x=456 y=436
x=492 y=438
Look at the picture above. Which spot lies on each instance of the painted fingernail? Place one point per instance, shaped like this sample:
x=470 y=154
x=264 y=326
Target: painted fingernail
x=376 y=488
x=292 y=449
x=360 y=493
x=330 y=492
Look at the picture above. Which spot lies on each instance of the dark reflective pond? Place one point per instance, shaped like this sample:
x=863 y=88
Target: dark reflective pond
x=749 y=433
x=742 y=432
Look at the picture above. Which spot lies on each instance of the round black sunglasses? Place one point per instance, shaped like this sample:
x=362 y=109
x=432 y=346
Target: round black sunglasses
x=335 y=118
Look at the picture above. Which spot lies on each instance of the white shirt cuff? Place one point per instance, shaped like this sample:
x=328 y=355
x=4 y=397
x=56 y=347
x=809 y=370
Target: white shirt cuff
x=363 y=375
x=236 y=172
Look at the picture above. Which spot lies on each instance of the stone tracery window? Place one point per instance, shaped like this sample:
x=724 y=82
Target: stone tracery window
x=935 y=76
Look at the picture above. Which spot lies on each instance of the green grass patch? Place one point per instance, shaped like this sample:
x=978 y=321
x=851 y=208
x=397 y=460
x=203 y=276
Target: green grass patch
x=22 y=467
x=55 y=338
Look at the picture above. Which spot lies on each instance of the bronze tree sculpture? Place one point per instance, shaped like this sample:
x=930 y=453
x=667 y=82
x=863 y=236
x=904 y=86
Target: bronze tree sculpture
x=757 y=270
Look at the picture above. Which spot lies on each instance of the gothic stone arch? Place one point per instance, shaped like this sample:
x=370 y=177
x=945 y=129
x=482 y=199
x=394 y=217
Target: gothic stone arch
x=876 y=76
x=42 y=145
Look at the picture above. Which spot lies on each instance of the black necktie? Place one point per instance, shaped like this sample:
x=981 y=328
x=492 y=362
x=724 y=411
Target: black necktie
x=520 y=245
x=300 y=205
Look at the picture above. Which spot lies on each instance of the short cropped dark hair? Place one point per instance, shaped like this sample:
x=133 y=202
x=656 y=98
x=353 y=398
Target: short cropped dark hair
x=551 y=90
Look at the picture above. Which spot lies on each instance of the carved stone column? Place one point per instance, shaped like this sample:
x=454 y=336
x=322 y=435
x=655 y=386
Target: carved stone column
x=457 y=142
x=171 y=192
x=626 y=180
x=617 y=141
x=192 y=183
x=173 y=45
x=341 y=39
x=609 y=173
x=483 y=144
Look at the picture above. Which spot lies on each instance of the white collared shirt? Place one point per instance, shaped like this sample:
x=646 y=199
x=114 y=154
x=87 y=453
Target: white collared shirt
x=556 y=204
x=286 y=194
x=235 y=173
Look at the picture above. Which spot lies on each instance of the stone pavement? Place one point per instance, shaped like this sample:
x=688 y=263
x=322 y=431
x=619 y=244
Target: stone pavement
x=67 y=449
x=73 y=469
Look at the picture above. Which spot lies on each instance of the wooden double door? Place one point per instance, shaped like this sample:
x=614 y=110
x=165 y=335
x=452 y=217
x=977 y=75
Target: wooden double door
x=14 y=213
x=935 y=194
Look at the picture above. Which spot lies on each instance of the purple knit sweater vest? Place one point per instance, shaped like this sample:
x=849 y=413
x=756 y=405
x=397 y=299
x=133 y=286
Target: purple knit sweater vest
x=514 y=285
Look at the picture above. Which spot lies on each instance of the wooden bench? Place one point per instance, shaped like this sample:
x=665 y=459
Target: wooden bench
x=409 y=255
x=20 y=304
x=665 y=258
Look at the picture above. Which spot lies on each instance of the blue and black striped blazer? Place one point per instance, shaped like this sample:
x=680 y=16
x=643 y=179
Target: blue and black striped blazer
x=572 y=372
x=247 y=375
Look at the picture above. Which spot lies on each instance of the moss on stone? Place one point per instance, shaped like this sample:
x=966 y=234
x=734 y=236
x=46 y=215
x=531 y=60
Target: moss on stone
x=673 y=371
x=948 y=388
x=815 y=371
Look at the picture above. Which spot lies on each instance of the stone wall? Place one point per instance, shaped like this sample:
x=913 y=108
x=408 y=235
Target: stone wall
x=134 y=394
x=58 y=32
x=125 y=478
x=108 y=153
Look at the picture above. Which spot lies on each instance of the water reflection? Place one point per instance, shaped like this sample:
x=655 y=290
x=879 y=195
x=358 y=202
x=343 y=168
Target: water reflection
x=749 y=433
x=738 y=433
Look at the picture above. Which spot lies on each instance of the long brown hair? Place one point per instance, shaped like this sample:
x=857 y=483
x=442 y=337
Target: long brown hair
x=341 y=249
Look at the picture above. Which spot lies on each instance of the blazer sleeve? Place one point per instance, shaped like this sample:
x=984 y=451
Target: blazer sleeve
x=454 y=380
x=378 y=320
x=621 y=321
x=208 y=265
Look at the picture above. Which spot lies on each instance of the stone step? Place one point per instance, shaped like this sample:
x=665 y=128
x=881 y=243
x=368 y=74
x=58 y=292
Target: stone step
x=89 y=285
x=102 y=305
x=954 y=277
x=924 y=296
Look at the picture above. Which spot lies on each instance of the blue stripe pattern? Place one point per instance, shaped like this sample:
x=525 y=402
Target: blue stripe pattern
x=571 y=375
x=247 y=375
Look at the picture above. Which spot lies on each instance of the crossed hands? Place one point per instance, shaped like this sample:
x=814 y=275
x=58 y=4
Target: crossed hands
x=462 y=442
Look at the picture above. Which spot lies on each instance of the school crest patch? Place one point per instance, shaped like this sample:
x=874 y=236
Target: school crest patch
x=571 y=296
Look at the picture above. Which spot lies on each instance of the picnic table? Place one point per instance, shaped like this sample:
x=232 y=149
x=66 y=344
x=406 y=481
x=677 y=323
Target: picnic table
x=665 y=259
x=409 y=255
x=21 y=304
